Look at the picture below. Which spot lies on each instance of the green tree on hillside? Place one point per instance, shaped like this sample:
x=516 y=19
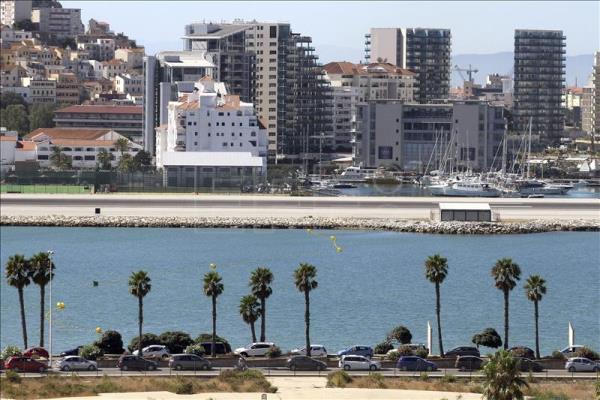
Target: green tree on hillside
x=14 y=118
x=41 y=116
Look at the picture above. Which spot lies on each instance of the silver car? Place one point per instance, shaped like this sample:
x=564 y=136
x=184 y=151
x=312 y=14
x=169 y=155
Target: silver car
x=188 y=361
x=75 y=363
x=581 y=364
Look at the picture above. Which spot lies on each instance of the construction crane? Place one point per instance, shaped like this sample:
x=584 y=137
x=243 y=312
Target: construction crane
x=470 y=71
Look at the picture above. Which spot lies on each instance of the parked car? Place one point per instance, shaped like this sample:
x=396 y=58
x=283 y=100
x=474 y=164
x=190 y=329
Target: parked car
x=36 y=352
x=188 y=361
x=522 y=351
x=358 y=362
x=468 y=363
x=316 y=350
x=414 y=363
x=220 y=348
x=463 y=351
x=71 y=352
x=305 y=363
x=73 y=363
x=258 y=349
x=414 y=347
x=25 y=364
x=154 y=351
x=365 y=351
x=527 y=365
x=570 y=351
x=127 y=362
x=581 y=364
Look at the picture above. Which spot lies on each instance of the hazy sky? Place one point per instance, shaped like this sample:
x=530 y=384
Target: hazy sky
x=338 y=27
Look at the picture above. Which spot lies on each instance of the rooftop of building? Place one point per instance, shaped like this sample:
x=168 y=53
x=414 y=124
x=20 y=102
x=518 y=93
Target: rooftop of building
x=348 y=68
x=101 y=109
x=68 y=133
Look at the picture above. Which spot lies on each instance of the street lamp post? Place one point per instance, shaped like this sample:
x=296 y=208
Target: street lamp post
x=50 y=254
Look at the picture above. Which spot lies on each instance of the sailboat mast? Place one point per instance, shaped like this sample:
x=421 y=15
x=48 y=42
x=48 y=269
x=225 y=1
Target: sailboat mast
x=529 y=148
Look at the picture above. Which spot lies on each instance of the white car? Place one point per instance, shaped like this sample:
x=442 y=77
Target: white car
x=581 y=364
x=254 y=349
x=74 y=363
x=316 y=350
x=358 y=362
x=154 y=351
x=570 y=351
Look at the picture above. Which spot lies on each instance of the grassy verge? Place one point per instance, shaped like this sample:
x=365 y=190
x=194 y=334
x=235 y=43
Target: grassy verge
x=55 y=189
x=57 y=386
x=538 y=390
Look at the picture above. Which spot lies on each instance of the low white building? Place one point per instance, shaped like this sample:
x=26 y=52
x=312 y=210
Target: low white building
x=9 y=35
x=8 y=146
x=211 y=139
x=81 y=145
x=129 y=84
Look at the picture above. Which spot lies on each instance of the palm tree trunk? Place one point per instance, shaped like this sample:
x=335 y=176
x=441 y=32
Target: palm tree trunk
x=439 y=321
x=307 y=320
x=253 y=332
x=214 y=326
x=23 y=323
x=263 y=316
x=537 y=333
x=140 y=322
x=506 y=320
x=42 y=310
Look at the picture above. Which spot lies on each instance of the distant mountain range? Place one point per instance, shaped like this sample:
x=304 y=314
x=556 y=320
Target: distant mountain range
x=578 y=67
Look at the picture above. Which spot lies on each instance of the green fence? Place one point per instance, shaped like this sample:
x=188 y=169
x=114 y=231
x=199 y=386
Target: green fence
x=14 y=188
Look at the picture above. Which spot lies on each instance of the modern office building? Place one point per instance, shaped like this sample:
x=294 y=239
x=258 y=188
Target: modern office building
x=163 y=75
x=58 y=22
x=419 y=137
x=539 y=78
x=12 y=11
x=596 y=96
x=422 y=50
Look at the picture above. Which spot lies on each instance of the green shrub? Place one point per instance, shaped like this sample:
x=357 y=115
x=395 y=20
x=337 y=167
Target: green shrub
x=90 y=352
x=183 y=386
x=338 y=379
x=106 y=385
x=401 y=334
x=374 y=380
x=557 y=355
x=195 y=349
x=424 y=376
x=147 y=340
x=176 y=341
x=448 y=378
x=587 y=353
x=422 y=353
x=393 y=356
x=12 y=376
x=405 y=351
x=207 y=337
x=488 y=338
x=111 y=342
x=274 y=352
x=10 y=351
x=383 y=348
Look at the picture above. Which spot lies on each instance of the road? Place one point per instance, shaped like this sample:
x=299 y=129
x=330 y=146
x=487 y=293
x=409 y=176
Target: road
x=410 y=208
x=284 y=372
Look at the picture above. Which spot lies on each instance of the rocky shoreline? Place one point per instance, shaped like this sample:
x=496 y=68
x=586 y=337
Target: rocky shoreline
x=452 y=228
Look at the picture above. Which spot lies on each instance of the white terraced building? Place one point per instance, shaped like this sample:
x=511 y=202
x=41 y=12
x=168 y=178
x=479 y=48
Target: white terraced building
x=211 y=139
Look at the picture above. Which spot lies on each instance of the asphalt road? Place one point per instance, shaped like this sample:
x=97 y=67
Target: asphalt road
x=283 y=372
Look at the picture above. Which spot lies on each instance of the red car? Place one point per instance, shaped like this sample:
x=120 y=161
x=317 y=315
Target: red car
x=36 y=352
x=25 y=364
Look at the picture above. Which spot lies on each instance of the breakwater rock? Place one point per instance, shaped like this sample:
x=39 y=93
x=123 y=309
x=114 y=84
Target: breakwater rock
x=397 y=225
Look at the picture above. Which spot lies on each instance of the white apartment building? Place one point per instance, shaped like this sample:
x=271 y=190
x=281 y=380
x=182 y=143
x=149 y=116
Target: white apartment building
x=40 y=90
x=11 y=75
x=112 y=68
x=10 y=35
x=345 y=100
x=129 y=84
x=12 y=11
x=59 y=22
x=211 y=136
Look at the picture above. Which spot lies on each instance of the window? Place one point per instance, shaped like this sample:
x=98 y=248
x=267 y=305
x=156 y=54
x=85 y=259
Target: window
x=252 y=133
x=89 y=158
x=273 y=32
x=42 y=157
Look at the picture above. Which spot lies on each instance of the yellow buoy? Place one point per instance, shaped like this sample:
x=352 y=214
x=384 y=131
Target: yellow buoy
x=98 y=329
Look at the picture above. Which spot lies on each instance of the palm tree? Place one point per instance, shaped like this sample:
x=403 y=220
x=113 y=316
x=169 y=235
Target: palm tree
x=213 y=288
x=436 y=269
x=250 y=311
x=59 y=159
x=535 y=289
x=304 y=277
x=18 y=275
x=139 y=286
x=122 y=144
x=260 y=284
x=502 y=377
x=506 y=273
x=42 y=270
x=104 y=158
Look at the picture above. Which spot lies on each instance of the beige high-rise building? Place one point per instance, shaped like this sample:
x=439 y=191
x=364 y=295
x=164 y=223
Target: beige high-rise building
x=596 y=96
x=12 y=11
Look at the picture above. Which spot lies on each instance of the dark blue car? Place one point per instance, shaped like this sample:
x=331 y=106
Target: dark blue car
x=414 y=363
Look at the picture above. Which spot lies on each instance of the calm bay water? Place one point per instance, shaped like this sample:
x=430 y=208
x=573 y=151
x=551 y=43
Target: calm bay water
x=376 y=282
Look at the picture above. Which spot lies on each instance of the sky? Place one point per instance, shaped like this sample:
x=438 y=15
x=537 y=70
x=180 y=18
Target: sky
x=338 y=27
